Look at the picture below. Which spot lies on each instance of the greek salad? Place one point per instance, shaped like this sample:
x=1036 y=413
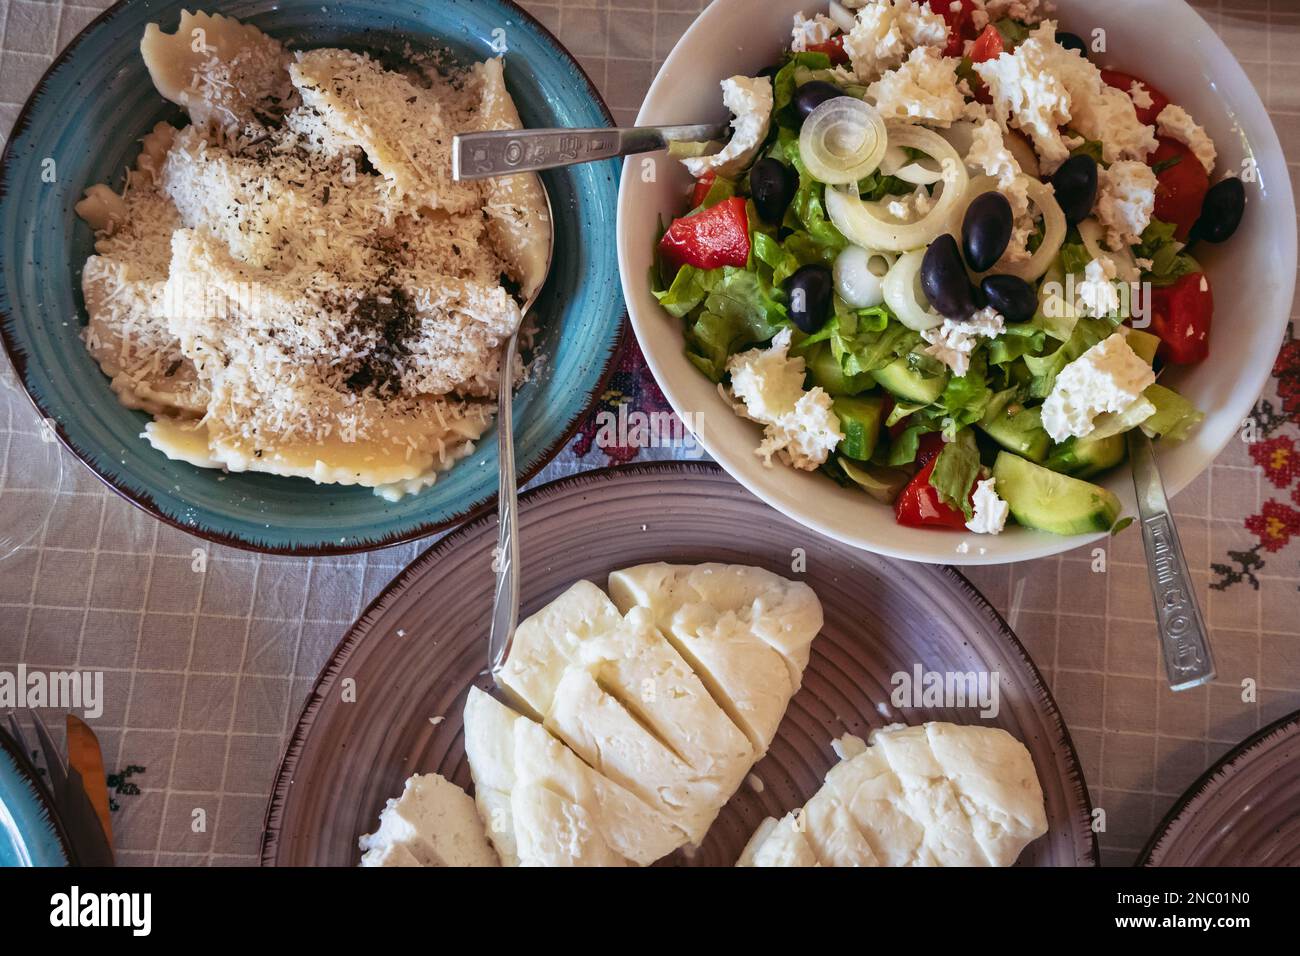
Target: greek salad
x=944 y=257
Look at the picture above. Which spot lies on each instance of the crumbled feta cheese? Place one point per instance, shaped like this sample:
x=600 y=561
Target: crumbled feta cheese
x=910 y=207
x=1026 y=11
x=811 y=32
x=750 y=101
x=801 y=428
x=953 y=341
x=1145 y=265
x=1042 y=87
x=991 y=511
x=989 y=152
x=1126 y=198
x=1140 y=96
x=1109 y=377
x=1097 y=293
x=924 y=89
x=886 y=30
x=1177 y=123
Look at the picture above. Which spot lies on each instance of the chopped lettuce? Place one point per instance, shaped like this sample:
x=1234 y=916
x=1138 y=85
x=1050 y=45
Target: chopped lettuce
x=1168 y=261
x=1174 y=416
x=1044 y=369
x=787 y=80
x=955 y=471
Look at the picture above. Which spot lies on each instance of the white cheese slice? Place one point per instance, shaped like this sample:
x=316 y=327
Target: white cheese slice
x=544 y=807
x=932 y=795
x=617 y=693
x=779 y=843
x=744 y=630
x=433 y=823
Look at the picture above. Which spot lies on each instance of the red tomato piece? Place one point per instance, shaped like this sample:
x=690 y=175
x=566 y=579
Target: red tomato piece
x=709 y=239
x=833 y=48
x=961 y=23
x=1180 y=315
x=702 y=187
x=1125 y=81
x=1181 y=184
x=918 y=505
x=988 y=45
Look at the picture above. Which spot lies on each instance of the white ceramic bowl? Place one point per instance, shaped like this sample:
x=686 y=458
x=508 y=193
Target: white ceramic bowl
x=1165 y=42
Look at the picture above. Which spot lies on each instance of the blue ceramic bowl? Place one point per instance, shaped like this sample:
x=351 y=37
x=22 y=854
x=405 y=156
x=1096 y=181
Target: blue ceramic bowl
x=87 y=114
x=30 y=831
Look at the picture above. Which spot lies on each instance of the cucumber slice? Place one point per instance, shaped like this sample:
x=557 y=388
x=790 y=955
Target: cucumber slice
x=1044 y=499
x=824 y=370
x=880 y=482
x=1022 y=433
x=907 y=384
x=860 y=417
x=1083 y=458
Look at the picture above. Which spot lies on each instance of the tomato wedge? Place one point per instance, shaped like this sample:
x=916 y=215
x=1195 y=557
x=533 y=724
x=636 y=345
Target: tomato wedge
x=702 y=187
x=1181 y=185
x=833 y=48
x=1180 y=315
x=709 y=239
x=960 y=21
x=918 y=505
x=988 y=45
x=1124 y=81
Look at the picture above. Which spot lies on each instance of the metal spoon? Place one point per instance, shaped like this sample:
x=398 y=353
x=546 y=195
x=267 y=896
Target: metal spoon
x=502 y=152
x=505 y=601
x=1184 y=639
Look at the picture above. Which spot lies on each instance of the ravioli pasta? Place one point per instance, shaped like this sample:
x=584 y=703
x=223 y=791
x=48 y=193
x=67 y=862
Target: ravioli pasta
x=294 y=284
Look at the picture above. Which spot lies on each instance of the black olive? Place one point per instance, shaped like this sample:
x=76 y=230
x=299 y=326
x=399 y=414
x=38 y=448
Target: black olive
x=986 y=230
x=1072 y=41
x=1221 y=211
x=1010 y=296
x=1075 y=184
x=944 y=280
x=810 y=297
x=812 y=95
x=772 y=184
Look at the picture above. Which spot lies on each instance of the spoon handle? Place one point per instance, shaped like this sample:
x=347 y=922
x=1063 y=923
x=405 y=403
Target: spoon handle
x=505 y=601
x=509 y=151
x=1184 y=639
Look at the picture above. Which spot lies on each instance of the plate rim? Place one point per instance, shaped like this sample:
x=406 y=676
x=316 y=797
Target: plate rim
x=1242 y=752
x=28 y=774
x=360 y=629
x=143 y=501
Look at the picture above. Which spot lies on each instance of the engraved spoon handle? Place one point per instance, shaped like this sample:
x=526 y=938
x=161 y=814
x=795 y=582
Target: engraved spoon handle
x=505 y=600
x=509 y=151
x=1184 y=639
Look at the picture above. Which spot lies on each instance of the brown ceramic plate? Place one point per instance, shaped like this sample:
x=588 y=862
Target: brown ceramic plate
x=1244 y=811
x=416 y=651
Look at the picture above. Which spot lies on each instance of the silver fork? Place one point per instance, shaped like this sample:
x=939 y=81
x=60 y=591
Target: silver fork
x=505 y=600
x=508 y=151
x=1184 y=639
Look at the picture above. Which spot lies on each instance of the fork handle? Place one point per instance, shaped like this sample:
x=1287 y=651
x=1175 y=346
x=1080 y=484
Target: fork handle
x=509 y=151
x=1184 y=638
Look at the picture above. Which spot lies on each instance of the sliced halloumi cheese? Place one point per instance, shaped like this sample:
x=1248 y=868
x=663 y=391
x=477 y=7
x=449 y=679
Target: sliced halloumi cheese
x=433 y=823
x=617 y=692
x=933 y=795
x=780 y=843
x=560 y=810
x=490 y=749
x=996 y=783
x=744 y=630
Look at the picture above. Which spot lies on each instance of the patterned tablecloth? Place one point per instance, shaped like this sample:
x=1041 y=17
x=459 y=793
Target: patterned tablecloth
x=207 y=653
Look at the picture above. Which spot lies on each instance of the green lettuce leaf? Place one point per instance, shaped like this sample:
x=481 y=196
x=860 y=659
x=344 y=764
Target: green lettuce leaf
x=955 y=471
x=1174 y=417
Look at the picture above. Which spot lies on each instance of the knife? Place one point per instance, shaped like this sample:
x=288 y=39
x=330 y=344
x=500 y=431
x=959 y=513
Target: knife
x=85 y=757
x=89 y=840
